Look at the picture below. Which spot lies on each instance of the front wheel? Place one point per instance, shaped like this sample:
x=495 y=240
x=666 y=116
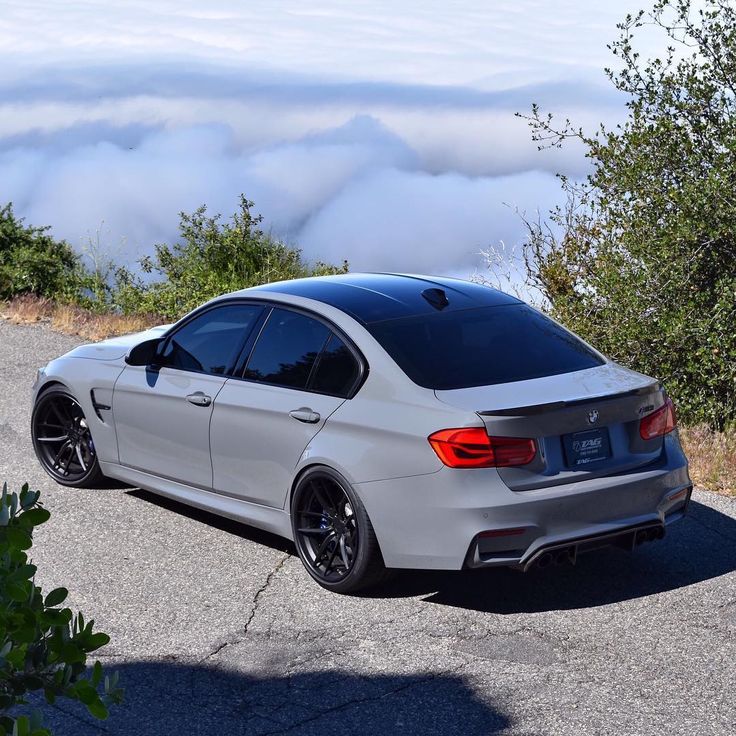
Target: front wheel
x=333 y=534
x=63 y=442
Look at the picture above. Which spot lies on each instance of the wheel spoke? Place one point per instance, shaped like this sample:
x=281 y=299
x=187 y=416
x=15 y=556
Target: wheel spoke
x=315 y=530
x=80 y=458
x=321 y=498
x=323 y=547
x=57 y=458
x=333 y=554
x=55 y=409
x=53 y=439
x=344 y=553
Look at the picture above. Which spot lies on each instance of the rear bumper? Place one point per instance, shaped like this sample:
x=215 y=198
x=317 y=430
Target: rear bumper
x=434 y=521
x=567 y=551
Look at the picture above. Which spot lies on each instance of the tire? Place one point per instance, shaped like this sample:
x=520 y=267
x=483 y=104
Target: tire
x=333 y=534
x=62 y=440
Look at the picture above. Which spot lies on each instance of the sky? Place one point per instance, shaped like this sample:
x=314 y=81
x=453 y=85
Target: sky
x=380 y=132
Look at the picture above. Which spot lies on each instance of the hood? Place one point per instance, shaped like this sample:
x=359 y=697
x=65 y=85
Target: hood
x=592 y=383
x=116 y=347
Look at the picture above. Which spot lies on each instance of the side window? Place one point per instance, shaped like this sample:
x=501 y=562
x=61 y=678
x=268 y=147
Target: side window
x=337 y=370
x=287 y=349
x=210 y=343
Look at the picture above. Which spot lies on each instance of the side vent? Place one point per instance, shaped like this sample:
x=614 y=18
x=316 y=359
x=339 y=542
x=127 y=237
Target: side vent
x=98 y=407
x=436 y=297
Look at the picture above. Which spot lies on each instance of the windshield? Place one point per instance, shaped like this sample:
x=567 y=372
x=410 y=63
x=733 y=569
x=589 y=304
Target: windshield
x=482 y=347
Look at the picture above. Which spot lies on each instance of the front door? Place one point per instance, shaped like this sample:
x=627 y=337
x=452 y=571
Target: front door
x=297 y=375
x=162 y=413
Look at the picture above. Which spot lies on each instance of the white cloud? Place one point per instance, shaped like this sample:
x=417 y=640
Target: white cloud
x=383 y=132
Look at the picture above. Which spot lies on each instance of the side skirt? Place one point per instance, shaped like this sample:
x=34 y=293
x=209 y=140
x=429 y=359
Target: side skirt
x=272 y=520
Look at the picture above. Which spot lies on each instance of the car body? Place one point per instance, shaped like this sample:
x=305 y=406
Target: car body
x=393 y=385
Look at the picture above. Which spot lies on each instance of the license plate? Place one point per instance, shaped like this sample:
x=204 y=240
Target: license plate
x=586 y=448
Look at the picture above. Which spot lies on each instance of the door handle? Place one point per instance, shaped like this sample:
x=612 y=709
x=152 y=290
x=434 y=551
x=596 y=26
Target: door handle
x=199 y=399
x=305 y=414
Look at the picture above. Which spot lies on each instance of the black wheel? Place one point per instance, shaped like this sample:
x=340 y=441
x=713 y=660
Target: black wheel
x=62 y=440
x=333 y=534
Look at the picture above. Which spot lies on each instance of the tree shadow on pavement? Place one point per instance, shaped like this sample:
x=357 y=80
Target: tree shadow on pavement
x=700 y=547
x=165 y=698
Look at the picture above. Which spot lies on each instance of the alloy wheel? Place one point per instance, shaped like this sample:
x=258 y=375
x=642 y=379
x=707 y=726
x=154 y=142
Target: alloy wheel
x=62 y=438
x=327 y=529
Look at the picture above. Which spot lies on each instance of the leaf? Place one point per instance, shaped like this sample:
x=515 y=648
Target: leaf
x=97 y=640
x=18 y=592
x=97 y=709
x=34 y=517
x=18 y=537
x=96 y=674
x=56 y=597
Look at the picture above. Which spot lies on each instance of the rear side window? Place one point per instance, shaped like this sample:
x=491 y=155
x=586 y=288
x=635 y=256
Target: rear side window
x=337 y=369
x=481 y=347
x=287 y=349
x=210 y=342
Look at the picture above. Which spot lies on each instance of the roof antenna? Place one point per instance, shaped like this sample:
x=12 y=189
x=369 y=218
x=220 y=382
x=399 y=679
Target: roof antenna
x=436 y=297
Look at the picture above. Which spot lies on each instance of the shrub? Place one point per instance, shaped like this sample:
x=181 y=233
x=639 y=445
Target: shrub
x=642 y=261
x=43 y=647
x=211 y=258
x=32 y=262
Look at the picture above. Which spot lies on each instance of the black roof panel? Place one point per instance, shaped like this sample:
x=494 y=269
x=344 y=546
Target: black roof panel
x=374 y=297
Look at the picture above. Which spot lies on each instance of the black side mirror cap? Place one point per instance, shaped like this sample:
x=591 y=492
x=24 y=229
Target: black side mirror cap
x=145 y=353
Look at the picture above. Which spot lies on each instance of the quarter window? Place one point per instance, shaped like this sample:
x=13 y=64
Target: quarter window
x=210 y=343
x=337 y=369
x=287 y=349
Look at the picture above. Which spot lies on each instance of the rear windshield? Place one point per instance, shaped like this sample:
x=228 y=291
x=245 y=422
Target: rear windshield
x=481 y=347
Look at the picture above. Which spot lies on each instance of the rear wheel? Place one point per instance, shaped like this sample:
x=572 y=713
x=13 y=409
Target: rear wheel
x=63 y=442
x=333 y=534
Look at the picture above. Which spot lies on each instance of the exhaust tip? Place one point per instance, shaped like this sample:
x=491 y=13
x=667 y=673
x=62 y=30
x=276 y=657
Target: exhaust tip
x=545 y=560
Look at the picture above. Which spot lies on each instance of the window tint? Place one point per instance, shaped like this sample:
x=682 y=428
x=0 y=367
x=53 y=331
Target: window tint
x=337 y=369
x=481 y=347
x=286 y=349
x=210 y=343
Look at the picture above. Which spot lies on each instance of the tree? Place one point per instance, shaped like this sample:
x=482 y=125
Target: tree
x=43 y=646
x=642 y=259
x=32 y=262
x=212 y=258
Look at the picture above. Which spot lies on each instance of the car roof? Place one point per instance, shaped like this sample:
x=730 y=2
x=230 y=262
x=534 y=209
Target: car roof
x=375 y=297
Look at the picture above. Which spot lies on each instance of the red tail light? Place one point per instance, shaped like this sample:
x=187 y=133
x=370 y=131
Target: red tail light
x=659 y=423
x=473 y=448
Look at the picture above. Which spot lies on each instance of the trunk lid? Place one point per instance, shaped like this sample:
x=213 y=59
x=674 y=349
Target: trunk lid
x=585 y=423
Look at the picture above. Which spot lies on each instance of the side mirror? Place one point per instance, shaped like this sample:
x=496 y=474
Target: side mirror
x=145 y=353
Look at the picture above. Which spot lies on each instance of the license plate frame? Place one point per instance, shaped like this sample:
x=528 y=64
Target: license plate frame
x=586 y=448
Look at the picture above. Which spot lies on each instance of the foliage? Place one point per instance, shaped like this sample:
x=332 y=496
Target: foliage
x=43 y=647
x=31 y=261
x=642 y=259
x=211 y=258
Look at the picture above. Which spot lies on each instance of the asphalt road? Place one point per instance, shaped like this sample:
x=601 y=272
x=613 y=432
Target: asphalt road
x=217 y=629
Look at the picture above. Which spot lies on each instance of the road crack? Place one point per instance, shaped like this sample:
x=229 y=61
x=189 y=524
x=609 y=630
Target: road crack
x=240 y=637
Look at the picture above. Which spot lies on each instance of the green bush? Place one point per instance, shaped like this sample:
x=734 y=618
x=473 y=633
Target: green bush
x=211 y=258
x=32 y=262
x=43 y=647
x=642 y=260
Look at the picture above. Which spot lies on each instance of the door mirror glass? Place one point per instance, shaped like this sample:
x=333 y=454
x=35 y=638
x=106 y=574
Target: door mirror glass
x=144 y=353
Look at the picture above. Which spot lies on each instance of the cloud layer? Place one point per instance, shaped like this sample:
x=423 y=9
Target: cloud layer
x=384 y=134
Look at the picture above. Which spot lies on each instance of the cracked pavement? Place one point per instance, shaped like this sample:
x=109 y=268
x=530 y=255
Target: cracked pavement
x=216 y=628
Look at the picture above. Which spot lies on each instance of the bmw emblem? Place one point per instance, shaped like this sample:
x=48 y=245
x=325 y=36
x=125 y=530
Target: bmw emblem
x=593 y=416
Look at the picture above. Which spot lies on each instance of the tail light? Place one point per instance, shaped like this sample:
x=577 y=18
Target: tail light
x=473 y=448
x=659 y=423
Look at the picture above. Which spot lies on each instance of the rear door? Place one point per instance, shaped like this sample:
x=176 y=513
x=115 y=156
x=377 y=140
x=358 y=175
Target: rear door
x=298 y=373
x=162 y=413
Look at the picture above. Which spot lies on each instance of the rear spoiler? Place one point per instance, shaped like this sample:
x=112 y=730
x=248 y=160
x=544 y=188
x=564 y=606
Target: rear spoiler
x=527 y=411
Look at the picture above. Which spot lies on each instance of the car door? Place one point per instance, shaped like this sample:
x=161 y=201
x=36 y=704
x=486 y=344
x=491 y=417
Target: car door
x=298 y=373
x=162 y=413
